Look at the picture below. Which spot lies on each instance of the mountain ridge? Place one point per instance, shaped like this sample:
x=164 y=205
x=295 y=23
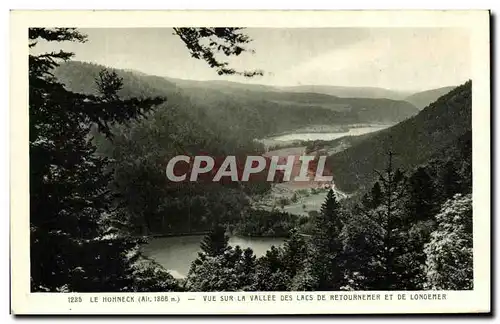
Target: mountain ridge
x=423 y=98
x=332 y=90
x=414 y=140
x=255 y=112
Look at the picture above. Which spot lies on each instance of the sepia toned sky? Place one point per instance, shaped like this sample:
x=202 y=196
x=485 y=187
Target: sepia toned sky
x=410 y=59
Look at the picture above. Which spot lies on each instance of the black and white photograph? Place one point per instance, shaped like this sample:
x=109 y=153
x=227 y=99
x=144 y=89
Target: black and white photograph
x=253 y=160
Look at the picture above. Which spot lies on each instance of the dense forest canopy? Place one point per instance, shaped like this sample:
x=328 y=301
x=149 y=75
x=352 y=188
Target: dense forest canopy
x=248 y=111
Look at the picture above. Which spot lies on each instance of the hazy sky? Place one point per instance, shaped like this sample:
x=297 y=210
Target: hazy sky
x=396 y=58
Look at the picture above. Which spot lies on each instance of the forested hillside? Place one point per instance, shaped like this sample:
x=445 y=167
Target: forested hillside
x=424 y=98
x=139 y=152
x=350 y=92
x=251 y=111
x=414 y=141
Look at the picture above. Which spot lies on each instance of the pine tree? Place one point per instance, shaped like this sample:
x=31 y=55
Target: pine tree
x=374 y=238
x=294 y=253
x=232 y=270
x=327 y=259
x=390 y=215
x=420 y=203
x=363 y=250
x=74 y=246
x=304 y=279
x=247 y=269
x=270 y=273
x=75 y=242
x=422 y=195
x=212 y=274
x=373 y=199
x=277 y=269
x=376 y=195
x=216 y=242
x=450 y=180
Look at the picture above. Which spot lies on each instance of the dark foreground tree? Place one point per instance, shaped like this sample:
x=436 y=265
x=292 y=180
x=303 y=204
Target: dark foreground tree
x=390 y=215
x=422 y=196
x=270 y=272
x=327 y=258
x=376 y=235
x=204 y=43
x=75 y=245
x=450 y=180
x=233 y=270
x=294 y=253
x=286 y=267
x=215 y=242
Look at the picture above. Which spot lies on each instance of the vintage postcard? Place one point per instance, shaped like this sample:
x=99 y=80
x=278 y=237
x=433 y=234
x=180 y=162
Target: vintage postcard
x=250 y=162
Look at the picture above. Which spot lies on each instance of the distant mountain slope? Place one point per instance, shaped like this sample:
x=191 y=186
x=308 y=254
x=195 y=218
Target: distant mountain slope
x=238 y=109
x=424 y=98
x=350 y=92
x=219 y=84
x=336 y=91
x=414 y=140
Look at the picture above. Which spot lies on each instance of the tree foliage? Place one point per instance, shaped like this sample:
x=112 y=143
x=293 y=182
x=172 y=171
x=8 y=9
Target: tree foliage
x=449 y=264
x=204 y=43
x=327 y=258
x=233 y=270
x=75 y=242
x=216 y=242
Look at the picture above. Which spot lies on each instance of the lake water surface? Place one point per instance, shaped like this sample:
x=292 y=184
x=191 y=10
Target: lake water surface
x=176 y=253
x=328 y=136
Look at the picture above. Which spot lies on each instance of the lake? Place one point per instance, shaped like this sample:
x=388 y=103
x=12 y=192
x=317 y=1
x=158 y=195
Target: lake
x=355 y=131
x=176 y=253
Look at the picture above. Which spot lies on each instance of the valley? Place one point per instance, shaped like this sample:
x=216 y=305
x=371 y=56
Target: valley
x=302 y=198
x=228 y=118
x=319 y=179
x=235 y=118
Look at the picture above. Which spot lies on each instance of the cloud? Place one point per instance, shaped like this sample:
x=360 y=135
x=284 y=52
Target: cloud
x=401 y=59
x=395 y=58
